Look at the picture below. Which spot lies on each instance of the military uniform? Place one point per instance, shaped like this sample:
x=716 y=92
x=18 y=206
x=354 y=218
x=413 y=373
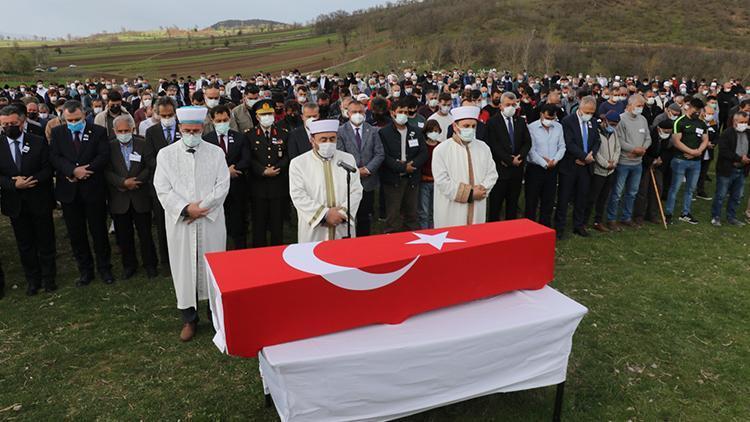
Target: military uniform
x=268 y=149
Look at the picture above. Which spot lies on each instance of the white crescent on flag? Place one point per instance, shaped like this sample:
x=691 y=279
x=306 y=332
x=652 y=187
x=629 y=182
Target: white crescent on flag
x=301 y=256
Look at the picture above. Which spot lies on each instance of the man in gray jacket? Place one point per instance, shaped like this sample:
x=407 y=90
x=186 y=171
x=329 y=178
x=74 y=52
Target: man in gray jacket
x=362 y=141
x=635 y=139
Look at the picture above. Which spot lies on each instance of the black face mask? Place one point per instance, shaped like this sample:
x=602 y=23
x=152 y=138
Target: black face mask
x=496 y=101
x=13 y=132
x=115 y=109
x=33 y=115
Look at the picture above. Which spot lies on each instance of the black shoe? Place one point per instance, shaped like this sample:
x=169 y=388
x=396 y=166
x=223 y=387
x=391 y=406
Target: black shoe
x=688 y=218
x=83 y=280
x=668 y=218
x=151 y=273
x=50 y=287
x=128 y=273
x=32 y=291
x=107 y=277
x=581 y=231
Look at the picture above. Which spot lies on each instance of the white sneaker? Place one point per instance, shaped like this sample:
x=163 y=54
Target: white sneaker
x=715 y=222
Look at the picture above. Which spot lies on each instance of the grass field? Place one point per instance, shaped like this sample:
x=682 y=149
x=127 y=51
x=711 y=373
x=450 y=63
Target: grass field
x=666 y=338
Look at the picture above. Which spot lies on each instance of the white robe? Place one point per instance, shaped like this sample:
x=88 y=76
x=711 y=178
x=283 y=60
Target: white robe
x=182 y=178
x=453 y=181
x=315 y=185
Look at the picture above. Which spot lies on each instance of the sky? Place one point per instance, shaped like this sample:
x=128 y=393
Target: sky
x=55 y=18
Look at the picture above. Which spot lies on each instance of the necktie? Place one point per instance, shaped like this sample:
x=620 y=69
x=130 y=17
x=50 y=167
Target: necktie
x=585 y=133
x=126 y=155
x=168 y=135
x=512 y=134
x=358 y=138
x=222 y=144
x=18 y=154
x=267 y=135
x=77 y=141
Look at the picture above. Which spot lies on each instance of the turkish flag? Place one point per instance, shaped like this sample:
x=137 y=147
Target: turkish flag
x=268 y=296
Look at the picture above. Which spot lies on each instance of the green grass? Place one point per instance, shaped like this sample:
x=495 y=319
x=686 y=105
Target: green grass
x=666 y=338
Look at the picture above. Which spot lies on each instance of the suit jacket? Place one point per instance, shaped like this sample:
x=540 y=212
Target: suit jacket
x=237 y=154
x=498 y=139
x=371 y=154
x=94 y=152
x=156 y=141
x=728 y=158
x=120 y=199
x=34 y=162
x=299 y=142
x=393 y=169
x=35 y=130
x=574 y=142
x=265 y=153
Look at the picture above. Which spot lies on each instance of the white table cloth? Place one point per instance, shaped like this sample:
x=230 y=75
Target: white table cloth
x=516 y=341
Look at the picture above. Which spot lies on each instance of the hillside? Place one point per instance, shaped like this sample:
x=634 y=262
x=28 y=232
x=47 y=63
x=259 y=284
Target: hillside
x=249 y=23
x=707 y=37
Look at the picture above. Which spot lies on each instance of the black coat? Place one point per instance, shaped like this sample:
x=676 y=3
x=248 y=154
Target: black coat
x=94 y=152
x=728 y=158
x=119 y=198
x=299 y=142
x=237 y=154
x=266 y=153
x=34 y=162
x=498 y=139
x=393 y=167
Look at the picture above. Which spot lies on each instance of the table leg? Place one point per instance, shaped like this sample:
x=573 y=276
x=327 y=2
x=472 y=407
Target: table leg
x=558 y=402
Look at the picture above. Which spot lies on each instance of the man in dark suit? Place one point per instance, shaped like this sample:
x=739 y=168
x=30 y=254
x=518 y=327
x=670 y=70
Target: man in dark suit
x=576 y=167
x=157 y=137
x=299 y=138
x=509 y=140
x=405 y=153
x=79 y=153
x=28 y=126
x=361 y=140
x=26 y=184
x=128 y=176
x=269 y=185
x=237 y=151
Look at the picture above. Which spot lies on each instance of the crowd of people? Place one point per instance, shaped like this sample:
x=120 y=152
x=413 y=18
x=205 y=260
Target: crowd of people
x=618 y=150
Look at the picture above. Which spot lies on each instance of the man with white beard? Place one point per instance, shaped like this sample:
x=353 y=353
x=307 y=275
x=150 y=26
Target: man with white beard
x=191 y=182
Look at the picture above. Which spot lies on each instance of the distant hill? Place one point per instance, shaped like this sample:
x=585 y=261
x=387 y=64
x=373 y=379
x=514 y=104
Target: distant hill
x=238 y=23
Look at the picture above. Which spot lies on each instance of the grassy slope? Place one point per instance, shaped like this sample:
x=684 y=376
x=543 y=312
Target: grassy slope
x=666 y=339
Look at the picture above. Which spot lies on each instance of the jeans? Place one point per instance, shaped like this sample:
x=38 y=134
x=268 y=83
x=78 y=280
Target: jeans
x=629 y=174
x=732 y=184
x=424 y=211
x=689 y=169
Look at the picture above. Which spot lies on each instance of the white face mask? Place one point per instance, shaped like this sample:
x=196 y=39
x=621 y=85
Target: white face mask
x=547 y=122
x=509 y=111
x=327 y=149
x=396 y=94
x=433 y=103
x=43 y=115
x=212 y=102
x=467 y=134
x=663 y=135
x=168 y=122
x=98 y=110
x=401 y=119
x=741 y=127
x=301 y=99
x=433 y=136
x=222 y=128
x=445 y=109
x=191 y=140
x=124 y=138
x=650 y=100
x=250 y=103
x=586 y=117
x=637 y=110
x=357 y=119
x=266 y=120
x=146 y=103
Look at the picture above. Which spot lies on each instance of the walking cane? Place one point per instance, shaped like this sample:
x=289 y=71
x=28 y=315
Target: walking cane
x=658 y=198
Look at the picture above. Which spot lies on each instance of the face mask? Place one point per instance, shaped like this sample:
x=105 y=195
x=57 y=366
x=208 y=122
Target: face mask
x=250 y=103
x=327 y=149
x=547 y=122
x=445 y=109
x=266 y=120
x=115 y=108
x=124 y=138
x=467 y=134
x=663 y=135
x=81 y=92
x=222 y=128
x=454 y=95
x=43 y=115
x=408 y=91
x=709 y=117
x=672 y=117
x=586 y=117
x=695 y=115
x=433 y=136
x=610 y=129
x=637 y=110
x=433 y=103
x=509 y=111
x=33 y=115
x=345 y=113
x=146 y=103
x=77 y=126
x=301 y=99
x=191 y=140
x=357 y=118
x=211 y=102
x=650 y=100
x=12 y=132
x=52 y=99
x=104 y=97
x=168 y=122
x=741 y=127
x=396 y=94
x=605 y=96
x=401 y=118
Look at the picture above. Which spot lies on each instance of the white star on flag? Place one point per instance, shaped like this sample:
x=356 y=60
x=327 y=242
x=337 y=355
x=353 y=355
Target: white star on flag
x=435 y=240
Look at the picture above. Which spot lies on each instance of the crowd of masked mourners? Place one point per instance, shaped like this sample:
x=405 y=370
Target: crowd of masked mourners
x=621 y=151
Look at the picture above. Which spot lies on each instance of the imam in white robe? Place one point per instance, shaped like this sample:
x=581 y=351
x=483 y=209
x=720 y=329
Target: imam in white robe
x=456 y=167
x=182 y=177
x=316 y=185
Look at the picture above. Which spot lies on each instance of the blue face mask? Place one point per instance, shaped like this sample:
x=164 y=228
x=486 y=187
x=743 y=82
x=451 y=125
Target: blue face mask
x=77 y=126
x=610 y=129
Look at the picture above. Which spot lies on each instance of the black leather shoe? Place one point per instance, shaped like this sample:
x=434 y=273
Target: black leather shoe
x=83 y=281
x=50 y=287
x=581 y=231
x=32 y=291
x=108 y=278
x=151 y=273
x=128 y=273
